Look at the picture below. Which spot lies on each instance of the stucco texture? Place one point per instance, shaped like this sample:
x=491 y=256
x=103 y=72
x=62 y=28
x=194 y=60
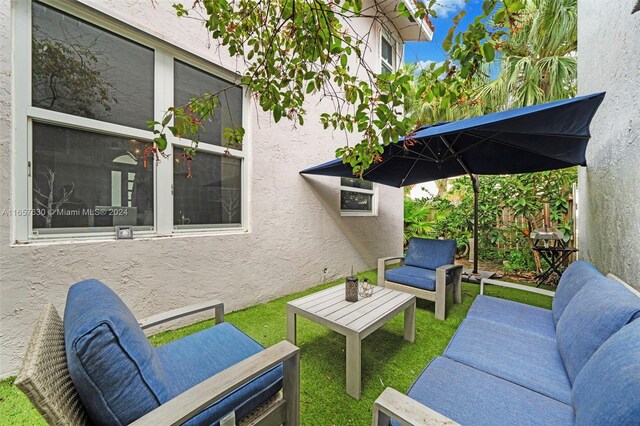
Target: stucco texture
x=295 y=227
x=609 y=202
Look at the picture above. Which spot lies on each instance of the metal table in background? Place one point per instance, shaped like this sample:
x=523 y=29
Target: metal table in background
x=555 y=257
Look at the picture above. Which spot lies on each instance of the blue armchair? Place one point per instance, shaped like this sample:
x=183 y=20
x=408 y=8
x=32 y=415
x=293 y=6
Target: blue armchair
x=428 y=272
x=100 y=368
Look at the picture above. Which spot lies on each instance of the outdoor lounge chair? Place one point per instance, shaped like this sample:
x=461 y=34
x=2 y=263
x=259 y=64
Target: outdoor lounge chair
x=427 y=272
x=100 y=368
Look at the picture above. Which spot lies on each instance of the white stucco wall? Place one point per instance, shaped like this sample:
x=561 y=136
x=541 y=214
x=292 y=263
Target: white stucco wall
x=609 y=210
x=295 y=225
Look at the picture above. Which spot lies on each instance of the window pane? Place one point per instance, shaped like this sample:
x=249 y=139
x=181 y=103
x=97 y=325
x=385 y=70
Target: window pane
x=191 y=83
x=212 y=195
x=356 y=183
x=355 y=201
x=80 y=69
x=83 y=179
x=387 y=51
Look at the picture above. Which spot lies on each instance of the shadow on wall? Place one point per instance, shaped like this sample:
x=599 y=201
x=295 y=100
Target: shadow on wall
x=356 y=235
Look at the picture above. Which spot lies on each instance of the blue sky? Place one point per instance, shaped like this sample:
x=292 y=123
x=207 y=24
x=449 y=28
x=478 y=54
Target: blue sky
x=446 y=9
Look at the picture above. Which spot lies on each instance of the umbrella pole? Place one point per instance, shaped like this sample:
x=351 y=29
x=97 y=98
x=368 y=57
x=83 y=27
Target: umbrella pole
x=476 y=190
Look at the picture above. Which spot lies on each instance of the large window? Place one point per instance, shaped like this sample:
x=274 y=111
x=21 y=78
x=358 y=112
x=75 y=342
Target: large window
x=84 y=137
x=357 y=197
x=388 y=60
x=213 y=195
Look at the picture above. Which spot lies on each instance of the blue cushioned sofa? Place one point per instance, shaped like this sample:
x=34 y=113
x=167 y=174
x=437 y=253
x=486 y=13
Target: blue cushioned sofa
x=215 y=376
x=427 y=271
x=510 y=363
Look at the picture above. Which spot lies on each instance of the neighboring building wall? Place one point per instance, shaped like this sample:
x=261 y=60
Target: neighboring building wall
x=609 y=203
x=295 y=226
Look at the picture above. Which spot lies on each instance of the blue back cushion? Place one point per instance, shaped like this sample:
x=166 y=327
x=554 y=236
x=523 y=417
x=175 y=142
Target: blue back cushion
x=607 y=390
x=111 y=362
x=573 y=279
x=430 y=254
x=595 y=313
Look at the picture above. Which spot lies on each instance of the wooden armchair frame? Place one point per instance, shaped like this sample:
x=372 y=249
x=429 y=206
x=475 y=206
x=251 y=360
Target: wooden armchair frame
x=439 y=296
x=46 y=350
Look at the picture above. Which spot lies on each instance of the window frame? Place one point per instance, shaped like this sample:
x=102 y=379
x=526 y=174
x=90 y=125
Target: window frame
x=24 y=114
x=387 y=36
x=374 y=200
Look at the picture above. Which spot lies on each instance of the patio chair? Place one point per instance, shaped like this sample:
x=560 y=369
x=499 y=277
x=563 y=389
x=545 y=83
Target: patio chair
x=98 y=367
x=427 y=272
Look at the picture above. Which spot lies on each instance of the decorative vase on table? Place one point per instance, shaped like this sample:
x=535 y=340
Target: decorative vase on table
x=366 y=289
x=351 y=289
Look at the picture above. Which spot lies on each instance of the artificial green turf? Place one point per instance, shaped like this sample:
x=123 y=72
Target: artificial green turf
x=387 y=360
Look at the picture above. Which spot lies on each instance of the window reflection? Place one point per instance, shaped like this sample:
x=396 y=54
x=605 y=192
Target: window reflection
x=84 y=179
x=191 y=82
x=355 y=201
x=212 y=195
x=83 y=70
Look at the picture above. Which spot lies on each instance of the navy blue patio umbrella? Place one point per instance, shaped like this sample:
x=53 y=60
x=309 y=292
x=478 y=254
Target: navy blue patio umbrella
x=531 y=139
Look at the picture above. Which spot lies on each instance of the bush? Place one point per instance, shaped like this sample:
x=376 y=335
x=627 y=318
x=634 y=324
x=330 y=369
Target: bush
x=450 y=214
x=519 y=261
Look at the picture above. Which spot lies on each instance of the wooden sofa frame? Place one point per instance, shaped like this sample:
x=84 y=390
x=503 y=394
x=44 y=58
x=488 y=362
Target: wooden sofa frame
x=392 y=404
x=284 y=408
x=439 y=296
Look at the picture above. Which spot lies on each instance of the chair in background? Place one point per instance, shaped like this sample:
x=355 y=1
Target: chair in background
x=428 y=272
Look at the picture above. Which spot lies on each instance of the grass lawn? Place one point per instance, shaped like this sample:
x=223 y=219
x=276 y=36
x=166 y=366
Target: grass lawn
x=387 y=360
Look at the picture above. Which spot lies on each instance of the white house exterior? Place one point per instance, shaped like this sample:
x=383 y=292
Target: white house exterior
x=609 y=216
x=246 y=229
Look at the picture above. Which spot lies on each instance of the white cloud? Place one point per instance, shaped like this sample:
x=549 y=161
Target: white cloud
x=446 y=8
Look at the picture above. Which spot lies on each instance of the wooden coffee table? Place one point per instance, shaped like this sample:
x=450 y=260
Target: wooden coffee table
x=354 y=320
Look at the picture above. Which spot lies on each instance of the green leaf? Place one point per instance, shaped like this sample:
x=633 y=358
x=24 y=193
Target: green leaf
x=515 y=6
x=167 y=119
x=277 y=113
x=161 y=142
x=487 y=6
x=456 y=19
x=488 y=51
x=446 y=44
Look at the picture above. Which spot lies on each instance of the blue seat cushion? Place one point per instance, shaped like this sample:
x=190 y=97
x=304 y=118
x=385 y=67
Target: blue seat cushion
x=112 y=364
x=594 y=314
x=574 y=277
x=607 y=389
x=523 y=317
x=430 y=254
x=194 y=358
x=520 y=357
x=470 y=396
x=414 y=277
